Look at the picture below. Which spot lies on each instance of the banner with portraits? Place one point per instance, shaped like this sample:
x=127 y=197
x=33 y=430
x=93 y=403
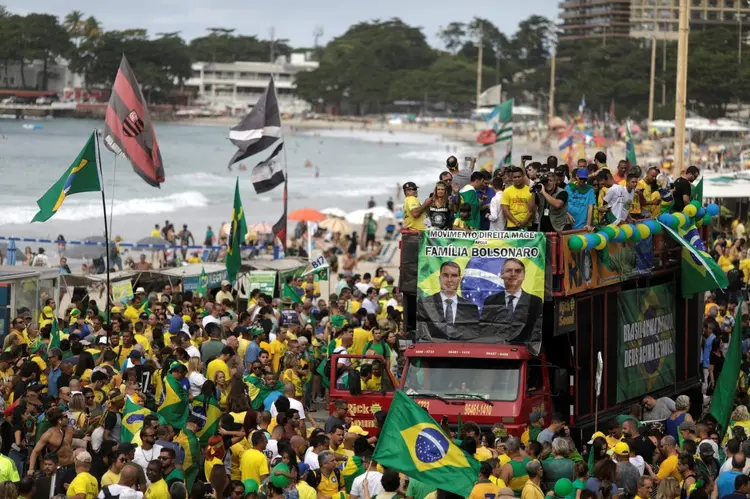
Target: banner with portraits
x=481 y=287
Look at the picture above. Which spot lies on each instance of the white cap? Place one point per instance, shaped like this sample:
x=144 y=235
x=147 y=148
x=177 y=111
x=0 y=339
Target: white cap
x=103 y=340
x=383 y=291
x=225 y=283
x=140 y=290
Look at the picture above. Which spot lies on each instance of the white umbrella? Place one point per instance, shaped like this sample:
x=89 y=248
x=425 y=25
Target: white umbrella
x=358 y=216
x=334 y=212
x=335 y=225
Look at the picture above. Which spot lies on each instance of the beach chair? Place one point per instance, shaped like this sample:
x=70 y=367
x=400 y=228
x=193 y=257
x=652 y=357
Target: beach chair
x=387 y=252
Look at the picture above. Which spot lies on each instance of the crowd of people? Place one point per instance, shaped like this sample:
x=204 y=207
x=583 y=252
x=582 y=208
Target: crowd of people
x=547 y=197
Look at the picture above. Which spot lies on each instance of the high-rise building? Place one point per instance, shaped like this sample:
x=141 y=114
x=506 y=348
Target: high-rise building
x=645 y=18
x=594 y=19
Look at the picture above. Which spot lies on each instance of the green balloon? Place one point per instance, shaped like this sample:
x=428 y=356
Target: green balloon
x=697 y=204
x=609 y=231
x=706 y=219
x=575 y=243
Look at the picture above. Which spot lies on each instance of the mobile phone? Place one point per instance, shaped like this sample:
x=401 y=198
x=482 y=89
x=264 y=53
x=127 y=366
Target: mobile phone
x=467 y=158
x=526 y=157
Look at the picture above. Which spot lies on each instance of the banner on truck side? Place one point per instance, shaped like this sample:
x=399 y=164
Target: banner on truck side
x=482 y=287
x=646 y=340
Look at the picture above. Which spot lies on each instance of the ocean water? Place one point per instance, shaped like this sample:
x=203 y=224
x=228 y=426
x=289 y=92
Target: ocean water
x=353 y=165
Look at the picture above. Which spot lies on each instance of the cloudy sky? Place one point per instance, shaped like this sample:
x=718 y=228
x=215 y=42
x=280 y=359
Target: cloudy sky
x=292 y=19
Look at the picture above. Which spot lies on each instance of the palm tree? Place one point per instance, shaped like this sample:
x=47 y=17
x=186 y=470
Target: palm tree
x=92 y=28
x=74 y=25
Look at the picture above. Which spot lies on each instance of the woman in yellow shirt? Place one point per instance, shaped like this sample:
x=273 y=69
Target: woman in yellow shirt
x=116 y=463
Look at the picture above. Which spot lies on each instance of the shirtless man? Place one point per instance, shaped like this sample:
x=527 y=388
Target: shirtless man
x=58 y=439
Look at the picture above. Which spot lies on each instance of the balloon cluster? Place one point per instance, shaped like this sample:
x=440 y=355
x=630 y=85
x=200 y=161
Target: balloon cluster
x=693 y=213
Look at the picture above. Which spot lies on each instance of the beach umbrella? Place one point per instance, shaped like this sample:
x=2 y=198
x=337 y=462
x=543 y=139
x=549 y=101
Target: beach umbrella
x=379 y=212
x=334 y=212
x=335 y=225
x=306 y=215
x=152 y=241
x=260 y=228
x=10 y=255
x=94 y=249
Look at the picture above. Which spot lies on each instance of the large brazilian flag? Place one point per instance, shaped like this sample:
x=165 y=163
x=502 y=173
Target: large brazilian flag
x=646 y=340
x=485 y=286
x=412 y=443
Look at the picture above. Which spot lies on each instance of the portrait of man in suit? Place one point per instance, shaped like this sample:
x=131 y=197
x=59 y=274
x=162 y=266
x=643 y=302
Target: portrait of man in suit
x=445 y=315
x=513 y=313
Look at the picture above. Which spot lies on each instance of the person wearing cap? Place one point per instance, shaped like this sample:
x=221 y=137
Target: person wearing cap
x=581 y=200
x=703 y=433
x=414 y=211
x=84 y=485
x=627 y=474
x=536 y=425
x=709 y=467
x=687 y=431
x=225 y=293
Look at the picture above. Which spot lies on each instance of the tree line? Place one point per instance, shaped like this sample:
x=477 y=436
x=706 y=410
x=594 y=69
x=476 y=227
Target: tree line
x=376 y=63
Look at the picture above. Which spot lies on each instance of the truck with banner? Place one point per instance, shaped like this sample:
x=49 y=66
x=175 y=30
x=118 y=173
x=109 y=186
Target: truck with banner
x=501 y=329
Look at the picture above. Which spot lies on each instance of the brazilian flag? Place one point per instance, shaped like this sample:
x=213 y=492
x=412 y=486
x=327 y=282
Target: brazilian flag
x=699 y=271
x=722 y=402
x=210 y=413
x=258 y=387
x=174 y=408
x=189 y=442
x=237 y=235
x=54 y=335
x=132 y=421
x=352 y=470
x=81 y=176
x=412 y=443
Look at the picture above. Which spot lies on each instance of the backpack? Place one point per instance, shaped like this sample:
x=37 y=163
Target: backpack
x=336 y=471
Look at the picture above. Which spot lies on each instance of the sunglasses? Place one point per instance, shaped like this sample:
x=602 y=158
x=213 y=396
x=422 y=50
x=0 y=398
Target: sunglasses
x=164 y=458
x=121 y=459
x=89 y=397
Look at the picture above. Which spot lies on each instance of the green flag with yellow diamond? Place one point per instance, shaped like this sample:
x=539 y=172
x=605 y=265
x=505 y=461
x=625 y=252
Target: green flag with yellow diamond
x=412 y=443
x=484 y=286
x=81 y=176
x=237 y=235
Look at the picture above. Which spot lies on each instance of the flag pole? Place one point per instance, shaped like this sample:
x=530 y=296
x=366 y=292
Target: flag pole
x=104 y=208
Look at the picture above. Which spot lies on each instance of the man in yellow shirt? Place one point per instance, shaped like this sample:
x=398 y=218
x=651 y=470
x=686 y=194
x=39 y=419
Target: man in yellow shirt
x=277 y=348
x=330 y=479
x=158 y=488
x=253 y=463
x=219 y=364
x=518 y=202
x=413 y=210
x=84 y=485
x=138 y=330
x=133 y=311
x=668 y=466
x=532 y=489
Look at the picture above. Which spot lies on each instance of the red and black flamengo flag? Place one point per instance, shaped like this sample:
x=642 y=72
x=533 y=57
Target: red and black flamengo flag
x=128 y=129
x=279 y=228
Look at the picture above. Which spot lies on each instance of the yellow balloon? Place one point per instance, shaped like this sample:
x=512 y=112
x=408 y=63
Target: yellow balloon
x=628 y=230
x=601 y=244
x=584 y=241
x=681 y=218
x=643 y=230
x=699 y=223
x=616 y=229
x=690 y=211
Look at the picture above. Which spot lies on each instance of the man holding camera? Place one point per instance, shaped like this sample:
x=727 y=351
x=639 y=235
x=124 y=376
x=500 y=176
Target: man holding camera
x=553 y=203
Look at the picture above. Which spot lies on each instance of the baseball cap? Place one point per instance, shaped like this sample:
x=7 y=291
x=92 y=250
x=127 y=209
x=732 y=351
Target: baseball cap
x=175 y=324
x=622 y=449
x=357 y=430
x=103 y=340
x=303 y=468
x=687 y=426
x=135 y=354
x=410 y=185
x=705 y=449
x=140 y=291
x=582 y=173
x=595 y=436
x=536 y=416
x=225 y=283
x=116 y=310
x=383 y=291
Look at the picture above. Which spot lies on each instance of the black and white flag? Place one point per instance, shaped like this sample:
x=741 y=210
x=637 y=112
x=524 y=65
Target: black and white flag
x=260 y=129
x=268 y=174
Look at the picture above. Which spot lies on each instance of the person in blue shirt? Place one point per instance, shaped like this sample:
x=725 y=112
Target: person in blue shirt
x=253 y=349
x=55 y=358
x=725 y=481
x=581 y=200
x=709 y=329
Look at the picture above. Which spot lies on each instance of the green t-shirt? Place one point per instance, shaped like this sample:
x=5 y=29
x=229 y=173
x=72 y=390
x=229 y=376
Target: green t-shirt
x=469 y=195
x=419 y=490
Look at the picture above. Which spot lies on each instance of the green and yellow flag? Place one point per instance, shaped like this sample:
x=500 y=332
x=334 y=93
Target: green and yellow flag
x=211 y=413
x=412 y=443
x=132 y=422
x=288 y=292
x=722 y=402
x=237 y=235
x=189 y=442
x=81 y=176
x=699 y=271
x=174 y=408
x=354 y=468
x=54 y=335
x=202 y=287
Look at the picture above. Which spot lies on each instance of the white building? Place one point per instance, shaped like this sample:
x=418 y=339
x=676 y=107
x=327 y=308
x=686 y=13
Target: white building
x=237 y=85
x=58 y=79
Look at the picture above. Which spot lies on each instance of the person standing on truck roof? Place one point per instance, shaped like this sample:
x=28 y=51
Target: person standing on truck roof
x=514 y=473
x=339 y=415
x=656 y=409
x=414 y=212
x=513 y=313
